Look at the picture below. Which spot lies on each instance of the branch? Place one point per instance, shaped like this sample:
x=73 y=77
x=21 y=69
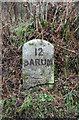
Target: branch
x=68 y=50
x=6 y=116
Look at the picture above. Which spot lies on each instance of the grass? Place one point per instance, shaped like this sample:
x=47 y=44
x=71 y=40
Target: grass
x=41 y=104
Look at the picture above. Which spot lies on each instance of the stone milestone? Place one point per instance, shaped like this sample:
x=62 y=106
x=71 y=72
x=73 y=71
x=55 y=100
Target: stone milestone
x=38 y=63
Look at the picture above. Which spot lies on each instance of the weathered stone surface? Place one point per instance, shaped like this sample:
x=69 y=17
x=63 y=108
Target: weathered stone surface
x=38 y=63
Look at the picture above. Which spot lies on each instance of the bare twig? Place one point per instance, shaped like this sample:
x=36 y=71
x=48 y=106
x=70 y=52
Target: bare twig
x=68 y=50
x=6 y=116
x=73 y=76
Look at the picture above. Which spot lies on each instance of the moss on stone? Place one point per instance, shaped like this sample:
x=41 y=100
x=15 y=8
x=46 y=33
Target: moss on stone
x=25 y=76
x=46 y=80
x=52 y=44
x=31 y=44
x=44 y=58
x=43 y=71
x=53 y=66
x=35 y=45
x=49 y=73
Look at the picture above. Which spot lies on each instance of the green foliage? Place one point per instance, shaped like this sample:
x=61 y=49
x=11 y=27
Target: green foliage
x=40 y=104
x=44 y=23
x=9 y=106
x=37 y=33
x=72 y=19
x=8 y=31
x=21 y=32
x=75 y=32
x=64 y=25
x=60 y=12
x=67 y=35
x=18 y=31
x=27 y=104
x=52 y=26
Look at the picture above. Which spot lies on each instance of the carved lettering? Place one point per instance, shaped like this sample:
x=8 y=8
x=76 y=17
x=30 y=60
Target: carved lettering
x=31 y=62
x=26 y=63
x=43 y=62
x=49 y=62
x=37 y=61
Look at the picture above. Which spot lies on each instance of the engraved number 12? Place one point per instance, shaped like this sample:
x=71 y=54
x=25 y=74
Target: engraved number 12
x=38 y=51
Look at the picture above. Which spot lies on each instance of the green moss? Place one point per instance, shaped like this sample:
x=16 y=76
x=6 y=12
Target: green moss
x=43 y=71
x=49 y=73
x=47 y=65
x=31 y=44
x=54 y=66
x=23 y=60
x=43 y=57
x=46 y=80
x=52 y=44
x=35 y=45
x=25 y=76
x=41 y=43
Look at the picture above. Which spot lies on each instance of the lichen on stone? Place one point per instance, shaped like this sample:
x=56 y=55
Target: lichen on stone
x=31 y=44
x=46 y=80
